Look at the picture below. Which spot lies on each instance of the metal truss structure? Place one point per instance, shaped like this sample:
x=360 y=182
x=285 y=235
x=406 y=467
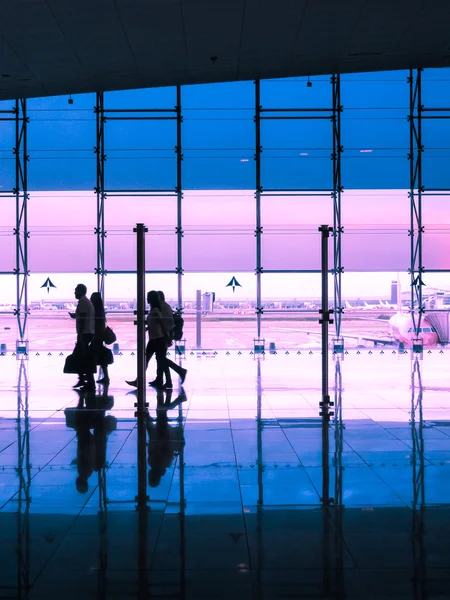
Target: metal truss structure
x=21 y=230
x=415 y=194
x=100 y=155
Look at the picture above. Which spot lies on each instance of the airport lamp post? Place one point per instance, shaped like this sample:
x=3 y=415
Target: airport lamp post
x=325 y=404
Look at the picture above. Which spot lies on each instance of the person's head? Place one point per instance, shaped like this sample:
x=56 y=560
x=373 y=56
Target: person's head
x=96 y=299
x=161 y=296
x=80 y=291
x=154 y=476
x=153 y=299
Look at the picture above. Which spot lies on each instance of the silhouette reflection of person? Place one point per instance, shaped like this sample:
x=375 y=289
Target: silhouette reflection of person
x=165 y=441
x=92 y=427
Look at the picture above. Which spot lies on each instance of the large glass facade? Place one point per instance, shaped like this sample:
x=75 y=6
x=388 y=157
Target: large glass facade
x=232 y=181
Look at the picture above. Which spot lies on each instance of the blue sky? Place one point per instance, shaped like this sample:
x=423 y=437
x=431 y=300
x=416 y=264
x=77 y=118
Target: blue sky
x=219 y=137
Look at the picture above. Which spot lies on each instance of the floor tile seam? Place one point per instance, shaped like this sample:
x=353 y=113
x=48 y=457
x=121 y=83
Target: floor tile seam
x=244 y=522
x=382 y=480
x=123 y=444
x=302 y=464
x=50 y=558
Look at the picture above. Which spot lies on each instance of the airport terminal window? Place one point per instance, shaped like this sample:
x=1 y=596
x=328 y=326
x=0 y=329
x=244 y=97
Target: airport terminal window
x=140 y=154
x=158 y=213
x=290 y=239
x=375 y=132
x=296 y=154
x=61 y=137
x=219 y=231
x=218 y=136
x=61 y=226
x=297 y=92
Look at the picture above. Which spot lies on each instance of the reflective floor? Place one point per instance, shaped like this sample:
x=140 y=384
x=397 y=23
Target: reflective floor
x=229 y=497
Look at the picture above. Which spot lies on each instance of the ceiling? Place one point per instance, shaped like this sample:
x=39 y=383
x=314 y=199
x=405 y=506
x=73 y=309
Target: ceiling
x=55 y=47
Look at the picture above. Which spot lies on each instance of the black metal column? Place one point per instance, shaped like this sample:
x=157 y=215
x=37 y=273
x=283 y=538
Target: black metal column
x=21 y=230
x=141 y=406
x=415 y=194
x=325 y=404
x=100 y=191
x=258 y=190
x=179 y=192
x=24 y=474
x=418 y=477
x=338 y=230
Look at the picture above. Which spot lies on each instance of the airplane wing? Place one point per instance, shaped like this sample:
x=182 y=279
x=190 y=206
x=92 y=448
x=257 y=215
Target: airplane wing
x=375 y=340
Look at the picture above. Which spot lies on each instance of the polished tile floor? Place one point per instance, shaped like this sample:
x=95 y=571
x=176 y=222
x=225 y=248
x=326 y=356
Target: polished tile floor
x=233 y=473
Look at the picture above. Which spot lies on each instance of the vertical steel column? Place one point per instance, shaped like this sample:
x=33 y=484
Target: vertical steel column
x=182 y=514
x=336 y=193
x=258 y=191
x=198 y=319
x=179 y=192
x=325 y=320
x=415 y=195
x=21 y=230
x=418 y=474
x=99 y=151
x=141 y=412
x=260 y=503
x=24 y=474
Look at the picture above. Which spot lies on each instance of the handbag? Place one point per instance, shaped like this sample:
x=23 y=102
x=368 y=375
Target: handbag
x=106 y=356
x=109 y=337
x=72 y=364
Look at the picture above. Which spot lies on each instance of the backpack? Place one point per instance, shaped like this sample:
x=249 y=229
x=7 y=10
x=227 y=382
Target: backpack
x=178 y=325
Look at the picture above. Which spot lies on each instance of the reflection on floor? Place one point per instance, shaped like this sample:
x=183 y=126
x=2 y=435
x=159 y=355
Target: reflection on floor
x=232 y=478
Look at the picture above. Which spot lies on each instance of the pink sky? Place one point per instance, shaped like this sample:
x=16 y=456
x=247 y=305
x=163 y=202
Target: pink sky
x=219 y=231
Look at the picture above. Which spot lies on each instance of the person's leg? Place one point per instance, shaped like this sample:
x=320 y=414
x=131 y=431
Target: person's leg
x=161 y=360
x=180 y=370
x=90 y=381
x=149 y=352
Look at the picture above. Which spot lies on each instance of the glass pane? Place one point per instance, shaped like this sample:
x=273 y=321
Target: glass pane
x=158 y=213
x=296 y=93
x=375 y=131
x=7 y=237
x=140 y=154
x=62 y=236
x=290 y=319
x=227 y=323
x=60 y=142
x=290 y=239
x=218 y=136
x=296 y=154
x=219 y=231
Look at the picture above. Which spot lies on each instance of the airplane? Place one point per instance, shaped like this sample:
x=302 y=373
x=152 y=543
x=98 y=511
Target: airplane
x=365 y=306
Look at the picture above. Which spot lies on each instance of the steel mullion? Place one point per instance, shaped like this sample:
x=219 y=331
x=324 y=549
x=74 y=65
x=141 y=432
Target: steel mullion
x=258 y=190
x=179 y=192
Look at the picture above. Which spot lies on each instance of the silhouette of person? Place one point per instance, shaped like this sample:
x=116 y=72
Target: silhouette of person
x=85 y=326
x=103 y=355
x=91 y=446
x=159 y=340
x=165 y=442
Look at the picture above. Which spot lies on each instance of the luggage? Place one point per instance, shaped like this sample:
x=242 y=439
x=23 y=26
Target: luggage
x=178 y=321
x=80 y=361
